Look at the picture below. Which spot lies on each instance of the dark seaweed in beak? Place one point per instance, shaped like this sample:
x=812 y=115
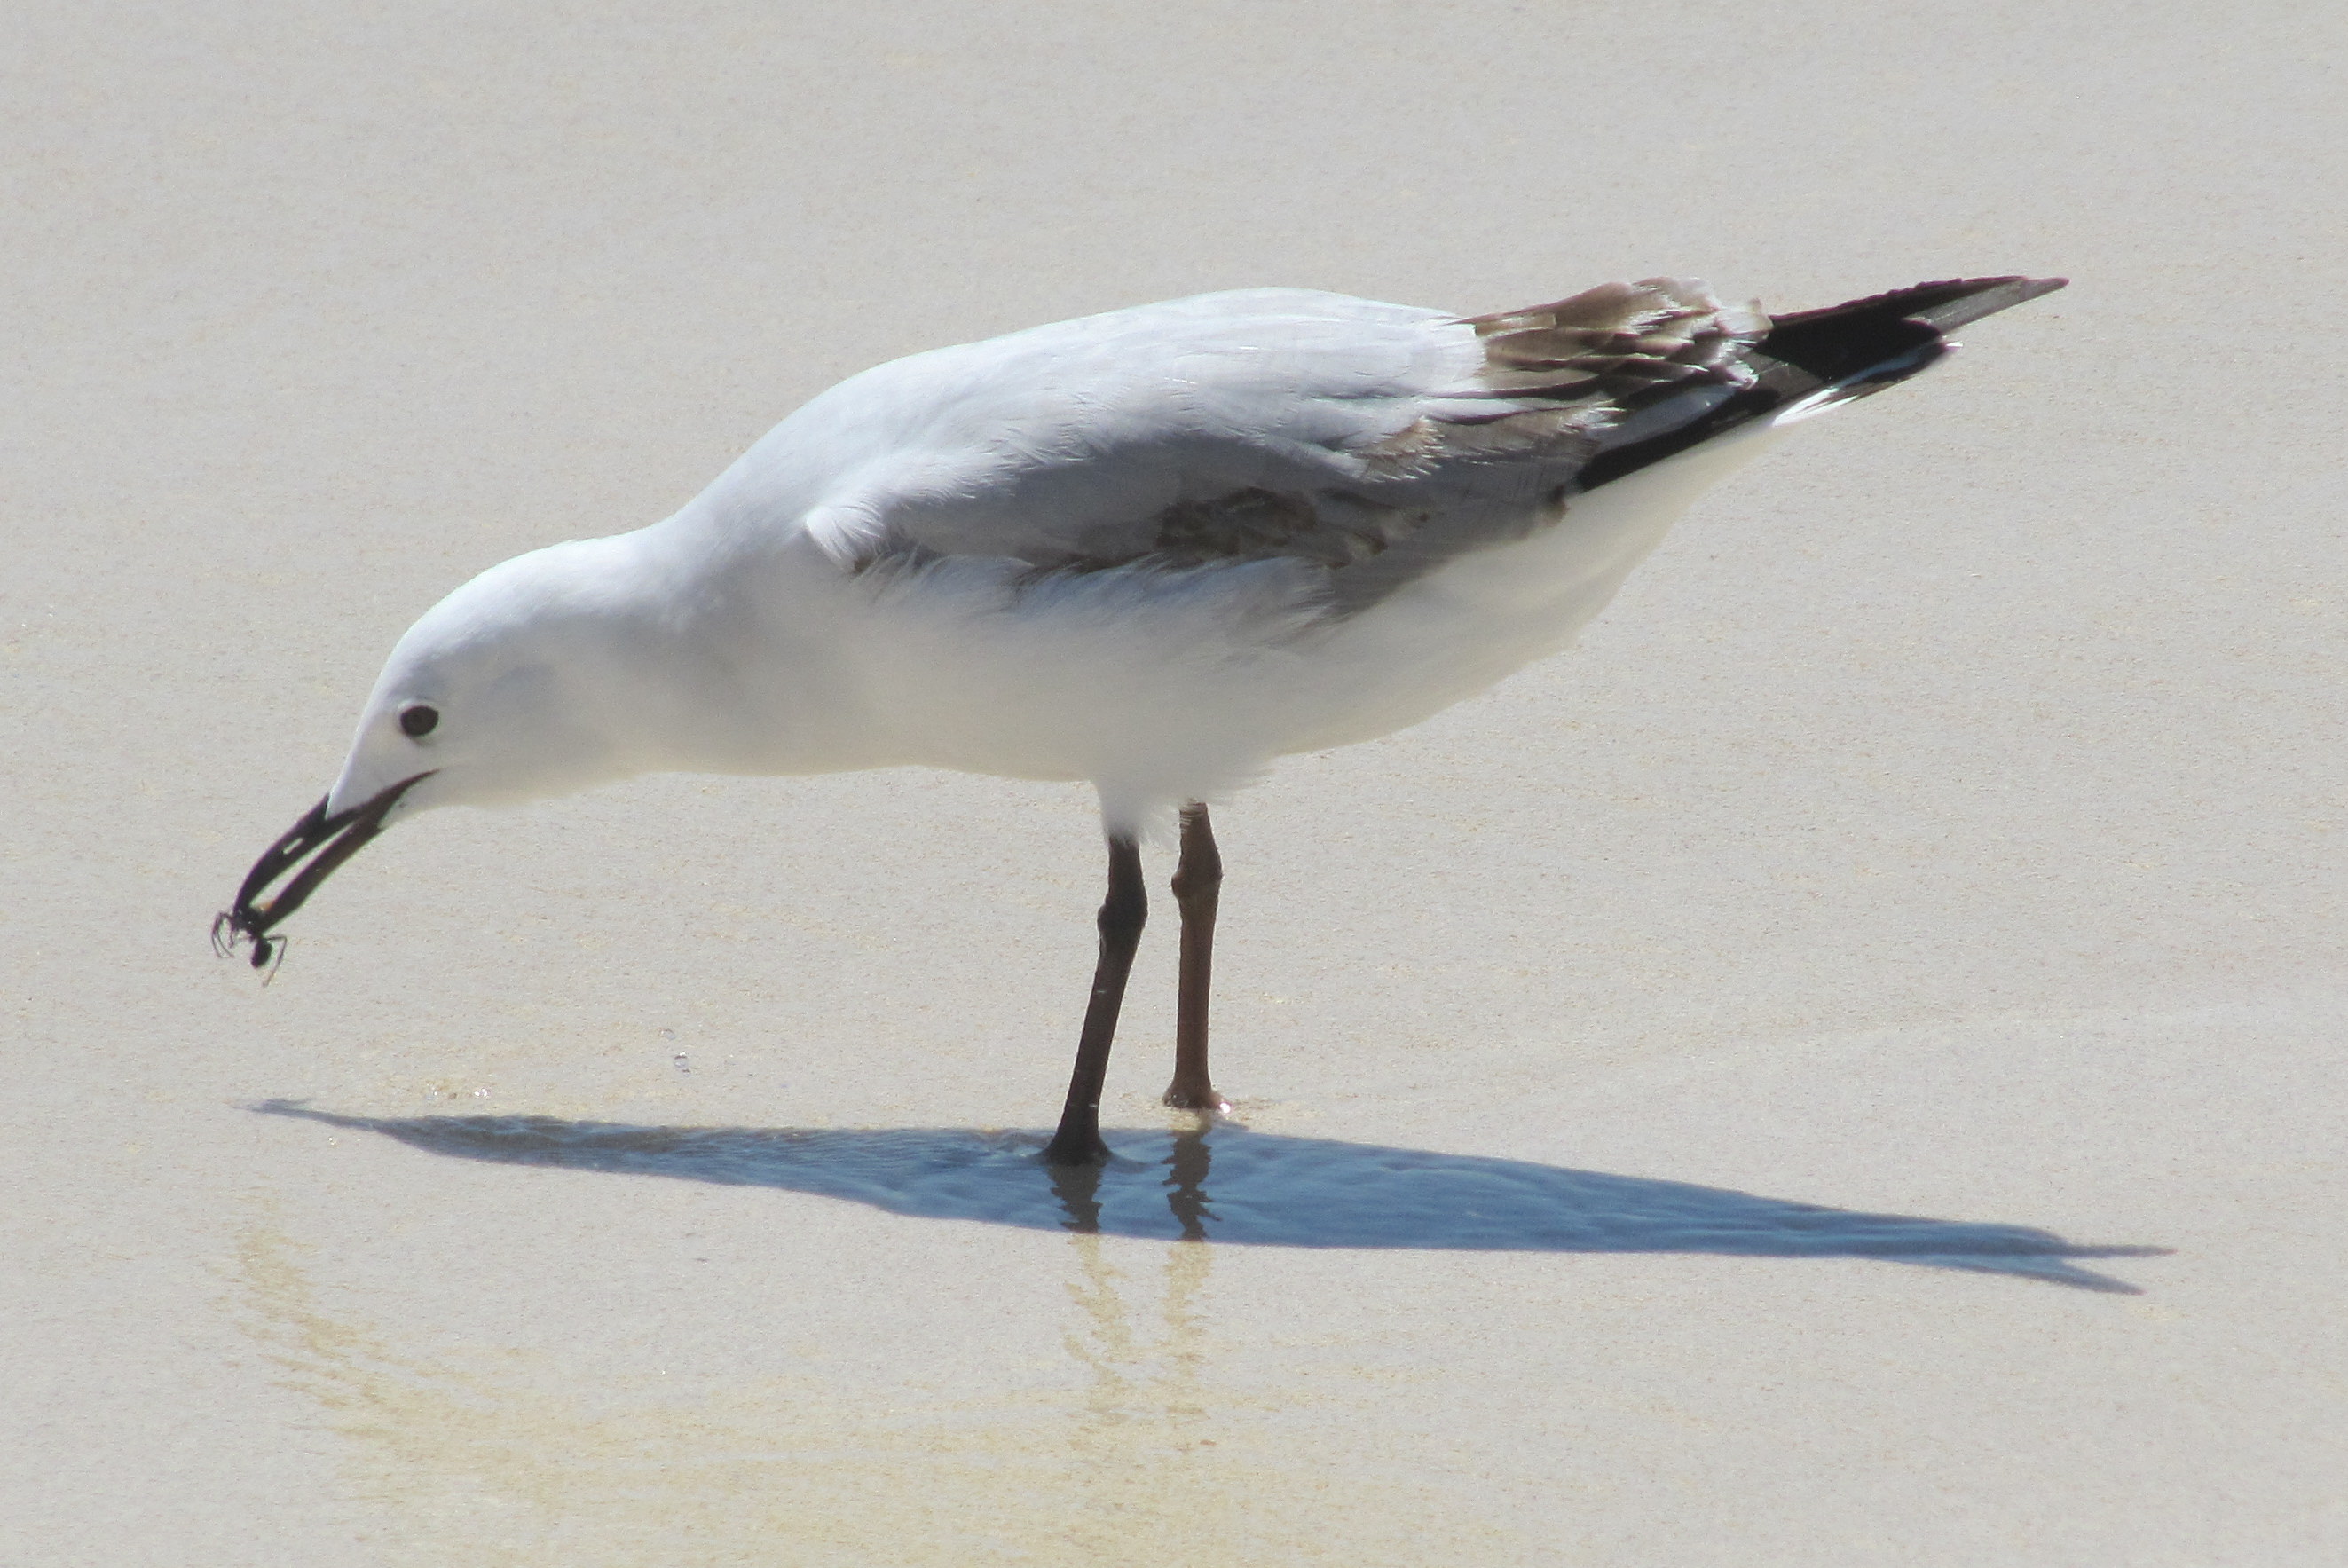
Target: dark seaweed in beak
x=333 y=840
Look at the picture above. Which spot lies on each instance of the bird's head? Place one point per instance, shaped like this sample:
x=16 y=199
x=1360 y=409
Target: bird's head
x=541 y=676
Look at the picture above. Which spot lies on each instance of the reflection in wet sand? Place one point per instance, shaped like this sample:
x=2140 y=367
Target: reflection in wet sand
x=1145 y=1411
x=1142 y=1392
x=512 y=1459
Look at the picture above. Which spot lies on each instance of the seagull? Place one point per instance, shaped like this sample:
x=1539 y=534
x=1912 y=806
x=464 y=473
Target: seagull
x=1153 y=550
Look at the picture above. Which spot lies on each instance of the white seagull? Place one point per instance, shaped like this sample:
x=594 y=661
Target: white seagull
x=1153 y=550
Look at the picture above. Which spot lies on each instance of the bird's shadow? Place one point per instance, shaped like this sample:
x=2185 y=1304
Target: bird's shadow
x=1229 y=1185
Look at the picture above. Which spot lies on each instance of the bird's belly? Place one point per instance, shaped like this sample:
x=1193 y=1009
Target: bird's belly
x=1478 y=620
x=1164 y=684
x=1162 y=687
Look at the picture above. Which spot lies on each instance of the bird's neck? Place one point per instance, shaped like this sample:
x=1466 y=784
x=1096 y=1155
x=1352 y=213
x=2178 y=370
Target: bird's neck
x=733 y=667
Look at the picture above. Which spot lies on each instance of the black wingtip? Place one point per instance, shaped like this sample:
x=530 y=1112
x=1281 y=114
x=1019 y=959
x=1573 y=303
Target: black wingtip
x=1982 y=296
x=1904 y=329
x=1951 y=301
x=1846 y=351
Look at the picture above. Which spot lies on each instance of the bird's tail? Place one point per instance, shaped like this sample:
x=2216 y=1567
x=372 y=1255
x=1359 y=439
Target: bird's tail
x=1815 y=359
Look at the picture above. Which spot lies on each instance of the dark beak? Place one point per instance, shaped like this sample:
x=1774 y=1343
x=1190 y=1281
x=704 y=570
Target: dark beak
x=331 y=840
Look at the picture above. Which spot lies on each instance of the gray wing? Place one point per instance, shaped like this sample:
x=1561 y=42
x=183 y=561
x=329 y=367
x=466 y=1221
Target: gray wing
x=1370 y=442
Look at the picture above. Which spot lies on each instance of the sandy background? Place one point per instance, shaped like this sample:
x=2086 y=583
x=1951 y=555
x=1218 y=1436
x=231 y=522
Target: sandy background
x=1946 y=825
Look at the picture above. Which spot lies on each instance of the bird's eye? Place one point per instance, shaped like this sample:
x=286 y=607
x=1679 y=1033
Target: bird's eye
x=418 y=718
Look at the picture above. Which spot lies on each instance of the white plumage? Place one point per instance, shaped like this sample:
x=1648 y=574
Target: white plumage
x=1154 y=550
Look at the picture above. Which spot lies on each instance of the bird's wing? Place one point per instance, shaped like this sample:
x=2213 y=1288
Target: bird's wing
x=1371 y=440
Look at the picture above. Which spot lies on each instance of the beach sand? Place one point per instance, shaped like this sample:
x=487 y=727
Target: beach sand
x=1845 y=1067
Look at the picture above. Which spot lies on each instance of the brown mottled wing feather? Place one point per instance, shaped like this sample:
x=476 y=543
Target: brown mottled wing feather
x=1560 y=385
x=1555 y=382
x=1616 y=342
x=1325 y=527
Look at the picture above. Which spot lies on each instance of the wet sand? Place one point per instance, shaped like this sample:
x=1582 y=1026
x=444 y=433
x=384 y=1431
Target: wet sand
x=1844 y=1067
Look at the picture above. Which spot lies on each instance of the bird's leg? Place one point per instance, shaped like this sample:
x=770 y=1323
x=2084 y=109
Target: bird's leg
x=1122 y=914
x=1197 y=884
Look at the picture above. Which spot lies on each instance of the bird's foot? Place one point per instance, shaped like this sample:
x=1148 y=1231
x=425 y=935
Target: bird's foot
x=1200 y=1096
x=1075 y=1147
